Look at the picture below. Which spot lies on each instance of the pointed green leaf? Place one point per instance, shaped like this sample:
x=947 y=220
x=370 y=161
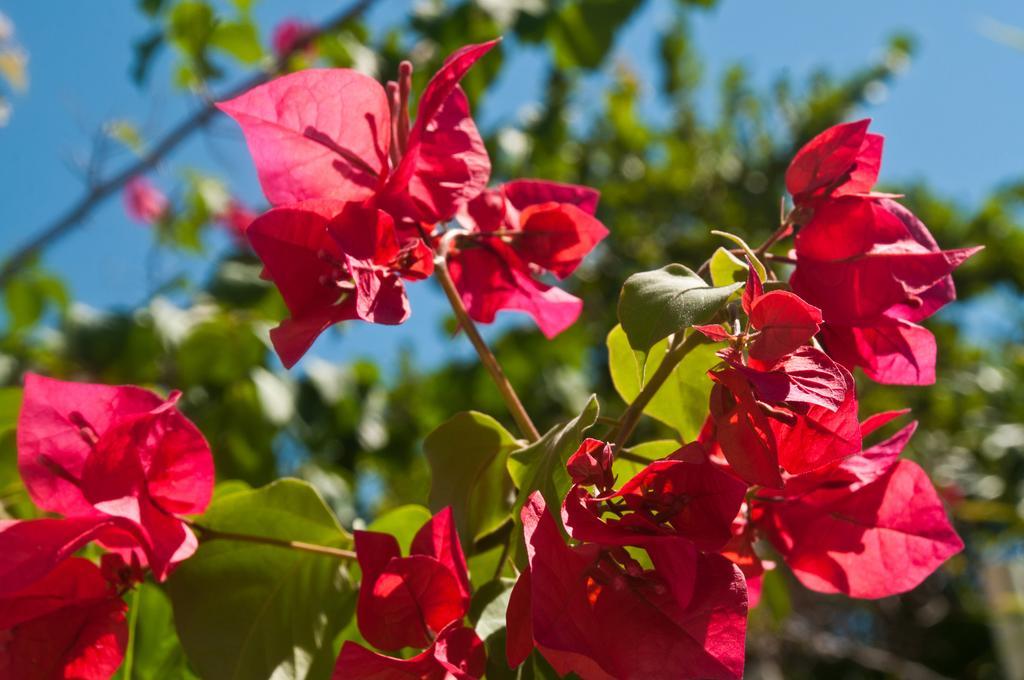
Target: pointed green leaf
x=467 y=456
x=402 y=522
x=245 y=610
x=655 y=304
x=726 y=268
x=155 y=650
x=750 y=255
x=541 y=465
x=682 y=402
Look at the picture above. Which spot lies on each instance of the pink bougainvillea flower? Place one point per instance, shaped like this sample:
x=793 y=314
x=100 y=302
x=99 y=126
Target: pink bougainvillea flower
x=779 y=323
x=320 y=283
x=287 y=33
x=143 y=202
x=68 y=624
x=591 y=465
x=762 y=440
x=875 y=271
x=514 y=232
x=456 y=654
x=120 y=458
x=236 y=218
x=408 y=601
x=491 y=277
x=599 y=613
x=842 y=160
x=329 y=133
x=685 y=494
x=787 y=406
x=841 y=528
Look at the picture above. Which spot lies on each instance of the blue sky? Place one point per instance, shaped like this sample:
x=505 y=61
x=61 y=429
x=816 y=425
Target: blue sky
x=953 y=119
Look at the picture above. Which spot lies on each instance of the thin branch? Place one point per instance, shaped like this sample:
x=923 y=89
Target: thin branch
x=488 y=359
x=208 y=534
x=829 y=645
x=102 y=189
x=679 y=348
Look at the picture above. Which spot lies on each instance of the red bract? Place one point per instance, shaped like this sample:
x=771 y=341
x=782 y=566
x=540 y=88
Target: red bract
x=683 y=495
x=843 y=160
x=320 y=283
x=120 y=458
x=867 y=262
x=287 y=33
x=143 y=202
x=591 y=464
x=408 y=601
x=598 y=613
x=841 y=529
x=456 y=654
x=328 y=134
x=68 y=624
x=789 y=406
x=518 y=230
x=236 y=218
x=875 y=271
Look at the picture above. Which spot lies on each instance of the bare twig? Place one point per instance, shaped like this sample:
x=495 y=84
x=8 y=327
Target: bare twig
x=101 y=189
x=829 y=645
x=487 y=358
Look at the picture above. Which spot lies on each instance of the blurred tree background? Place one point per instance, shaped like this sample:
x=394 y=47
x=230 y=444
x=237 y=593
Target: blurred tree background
x=355 y=429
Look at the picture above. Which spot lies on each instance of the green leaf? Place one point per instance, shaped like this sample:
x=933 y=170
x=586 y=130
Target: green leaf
x=487 y=614
x=191 y=25
x=145 y=50
x=467 y=456
x=541 y=465
x=240 y=39
x=221 y=351
x=682 y=401
x=30 y=294
x=652 y=451
x=583 y=31
x=245 y=610
x=10 y=406
x=726 y=268
x=155 y=648
x=402 y=522
x=655 y=304
x=125 y=132
x=758 y=267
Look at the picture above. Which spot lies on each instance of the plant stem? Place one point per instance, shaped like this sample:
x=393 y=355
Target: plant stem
x=784 y=230
x=133 y=620
x=208 y=534
x=679 y=348
x=626 y=454
x=488 y=359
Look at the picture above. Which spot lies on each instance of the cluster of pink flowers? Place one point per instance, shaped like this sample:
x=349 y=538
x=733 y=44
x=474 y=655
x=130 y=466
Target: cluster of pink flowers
x=122 y=466
x=365 y=198
x=866 y=261
x=662 y=569
x=657 y=573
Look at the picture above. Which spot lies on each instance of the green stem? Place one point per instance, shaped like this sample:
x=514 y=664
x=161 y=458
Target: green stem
x=626 y=454
x=490 y=362
x=133 y=620
x=679 y=348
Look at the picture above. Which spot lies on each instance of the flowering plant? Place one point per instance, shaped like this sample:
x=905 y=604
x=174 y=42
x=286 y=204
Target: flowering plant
x=572 y=550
